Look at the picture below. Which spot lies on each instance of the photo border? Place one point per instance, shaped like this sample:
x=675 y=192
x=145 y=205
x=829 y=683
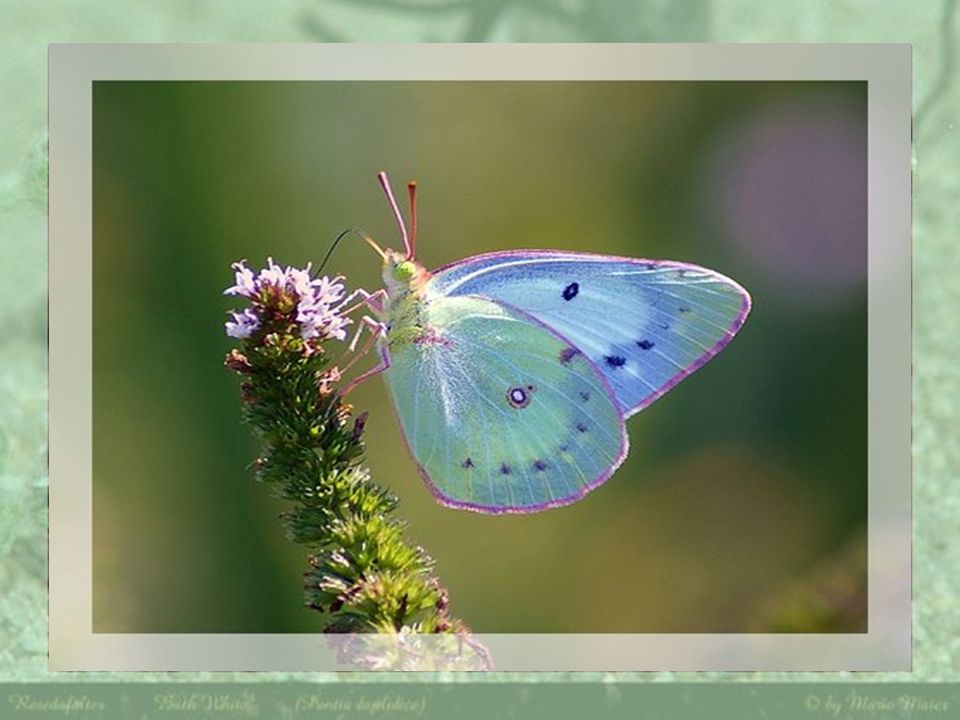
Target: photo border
x=887 y=70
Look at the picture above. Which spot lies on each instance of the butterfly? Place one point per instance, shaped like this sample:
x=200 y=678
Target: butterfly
x=512 y=373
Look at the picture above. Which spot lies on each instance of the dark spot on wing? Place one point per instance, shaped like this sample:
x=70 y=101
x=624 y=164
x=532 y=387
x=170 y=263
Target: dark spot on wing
x=564 y=447
x=504 y=469
x=568 y=354
x=518 y=397
x=683 y=309
x=570 y=291
x=539 y=465
x=664 y=326
x=581 y=427
x=468 y=463
x=615 y=360
x=644 y=344
x=584 y=395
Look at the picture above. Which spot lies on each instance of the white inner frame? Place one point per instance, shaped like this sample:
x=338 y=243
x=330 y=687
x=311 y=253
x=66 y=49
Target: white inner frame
x=887 y=70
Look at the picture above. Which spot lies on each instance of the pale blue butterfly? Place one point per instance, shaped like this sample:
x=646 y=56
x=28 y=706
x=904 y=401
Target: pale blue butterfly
x=512 y=373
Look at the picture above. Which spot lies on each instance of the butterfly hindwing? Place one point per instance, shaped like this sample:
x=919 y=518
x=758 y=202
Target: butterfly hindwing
x=501 y=413
x=645 y=324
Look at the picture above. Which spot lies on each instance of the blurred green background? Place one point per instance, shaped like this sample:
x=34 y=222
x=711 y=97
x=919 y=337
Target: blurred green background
x=742 y=505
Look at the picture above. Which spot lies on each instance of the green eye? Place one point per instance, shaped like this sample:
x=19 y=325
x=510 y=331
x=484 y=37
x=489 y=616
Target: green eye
x=404 y=270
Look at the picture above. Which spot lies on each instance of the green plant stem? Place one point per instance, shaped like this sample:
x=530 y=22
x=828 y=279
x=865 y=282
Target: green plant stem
x=364 y=577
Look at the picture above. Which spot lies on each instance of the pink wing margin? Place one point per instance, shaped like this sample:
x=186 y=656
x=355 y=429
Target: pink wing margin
x=690 y=312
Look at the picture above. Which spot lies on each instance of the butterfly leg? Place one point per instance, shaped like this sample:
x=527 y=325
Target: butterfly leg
x=376 y=301
x=382 y=366
x=376 y=330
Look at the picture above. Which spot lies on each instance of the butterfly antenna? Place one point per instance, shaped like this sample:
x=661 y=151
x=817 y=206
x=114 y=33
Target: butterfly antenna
x=333 y=246
x=369 y=240
x=385 y=184
x=412 y=193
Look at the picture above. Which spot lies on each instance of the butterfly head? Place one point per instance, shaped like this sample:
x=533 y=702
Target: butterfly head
x=401 y=274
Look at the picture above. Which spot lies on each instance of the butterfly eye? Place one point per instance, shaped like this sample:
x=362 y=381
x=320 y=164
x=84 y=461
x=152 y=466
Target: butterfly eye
x=404 y=270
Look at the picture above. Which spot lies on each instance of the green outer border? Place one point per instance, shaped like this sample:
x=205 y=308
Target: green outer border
x=483 y=701
x=937 y=626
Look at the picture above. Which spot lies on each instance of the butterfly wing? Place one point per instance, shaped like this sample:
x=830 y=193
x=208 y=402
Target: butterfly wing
x=499 y=411
x=645 y=324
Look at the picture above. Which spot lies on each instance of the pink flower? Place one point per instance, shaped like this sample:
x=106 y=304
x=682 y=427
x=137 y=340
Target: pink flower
x=314 y=304
x=243 y=324
x=245 y=285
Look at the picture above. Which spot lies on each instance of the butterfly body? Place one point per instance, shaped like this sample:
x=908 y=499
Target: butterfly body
x=406 y=300
x=512 y=373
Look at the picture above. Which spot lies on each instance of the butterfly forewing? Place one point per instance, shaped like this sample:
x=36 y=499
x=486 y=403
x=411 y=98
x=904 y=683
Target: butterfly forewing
x=645 y=324
x=502 y=413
